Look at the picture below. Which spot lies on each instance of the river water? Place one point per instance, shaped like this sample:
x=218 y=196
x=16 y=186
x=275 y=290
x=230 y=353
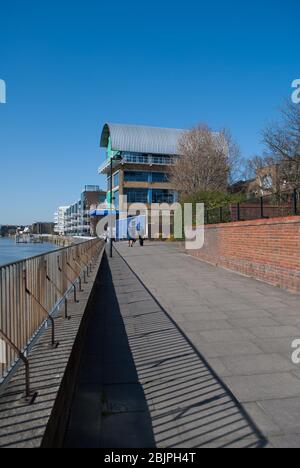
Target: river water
x=12 y=252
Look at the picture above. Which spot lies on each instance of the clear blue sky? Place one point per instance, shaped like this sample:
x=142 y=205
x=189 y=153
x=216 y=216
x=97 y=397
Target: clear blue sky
x=72 y=66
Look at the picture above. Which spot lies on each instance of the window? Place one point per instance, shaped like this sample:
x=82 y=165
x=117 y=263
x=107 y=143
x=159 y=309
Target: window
x=140 y=158
x=136 y=176
x=162 y=196
x=116 y=199
x=101 y=198
x=267 y=182
x=143 y=176
x=136 y=195
x=160 y=177
x=116 y=179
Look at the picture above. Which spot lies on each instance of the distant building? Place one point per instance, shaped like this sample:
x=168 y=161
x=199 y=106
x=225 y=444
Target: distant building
x=143 y=174
x=60 y=220
x=40 y=228
x=8 y=230
x=77 y=220
x=266 y=182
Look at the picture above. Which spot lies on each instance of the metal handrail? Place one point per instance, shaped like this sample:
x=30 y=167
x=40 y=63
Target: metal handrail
x=31 y=291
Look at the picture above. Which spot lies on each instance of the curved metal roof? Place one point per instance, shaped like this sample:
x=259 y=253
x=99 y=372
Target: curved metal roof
x=141 y=139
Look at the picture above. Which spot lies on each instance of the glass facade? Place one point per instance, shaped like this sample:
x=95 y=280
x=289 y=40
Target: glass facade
x=132 y=176
x=162 y=196
x=116 y=179
x=135 y=195
x=138 y=158
x=143 y=176
x=160 y=177
x=142 y=182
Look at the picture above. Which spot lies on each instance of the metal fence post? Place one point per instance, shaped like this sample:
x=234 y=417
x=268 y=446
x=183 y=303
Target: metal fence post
x=238 y=212
x=47 y=316
x=262 y=207
x=295 y=201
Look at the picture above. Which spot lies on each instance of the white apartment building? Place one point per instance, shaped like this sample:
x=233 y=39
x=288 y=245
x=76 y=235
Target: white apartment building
x=60 y=220
x=75 y=220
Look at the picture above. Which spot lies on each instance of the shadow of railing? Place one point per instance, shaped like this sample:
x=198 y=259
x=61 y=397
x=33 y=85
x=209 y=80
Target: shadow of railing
x=190 y=405
x=109 y=409
x=24 y=425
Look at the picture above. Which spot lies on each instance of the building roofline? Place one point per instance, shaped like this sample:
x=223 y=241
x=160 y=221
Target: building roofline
x=141 y=139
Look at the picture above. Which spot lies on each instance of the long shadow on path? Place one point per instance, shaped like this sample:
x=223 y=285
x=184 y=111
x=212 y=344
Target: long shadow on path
x=109 y=408
x=143 y=384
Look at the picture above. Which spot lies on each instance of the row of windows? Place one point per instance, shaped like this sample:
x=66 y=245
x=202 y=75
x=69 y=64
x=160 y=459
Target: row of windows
x=139 y=158
x=136 y=195
x=143 y=196
x=131 y=176
x=162 y=196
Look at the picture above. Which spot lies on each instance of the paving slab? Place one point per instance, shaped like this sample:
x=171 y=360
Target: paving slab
x=275 y=332
x=172 y=396
x=257 y=364
x=264 y=386
x=285 y=413
x=286 y=442
x=242 y=328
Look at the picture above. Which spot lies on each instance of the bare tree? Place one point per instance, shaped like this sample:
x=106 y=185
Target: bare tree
x=254 y=165
x=207 y=162
x=283 y=144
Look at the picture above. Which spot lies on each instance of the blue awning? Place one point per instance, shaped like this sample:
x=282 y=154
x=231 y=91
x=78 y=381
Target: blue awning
x=105 y=212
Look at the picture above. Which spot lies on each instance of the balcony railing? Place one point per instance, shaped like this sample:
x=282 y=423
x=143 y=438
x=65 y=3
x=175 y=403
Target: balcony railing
x=150 y=160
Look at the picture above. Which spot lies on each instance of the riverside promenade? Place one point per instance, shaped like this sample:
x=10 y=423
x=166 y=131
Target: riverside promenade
x=179 y=353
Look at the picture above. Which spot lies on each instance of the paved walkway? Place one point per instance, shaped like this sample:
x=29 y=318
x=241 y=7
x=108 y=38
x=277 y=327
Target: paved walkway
x=186 y=355
x=242 y=327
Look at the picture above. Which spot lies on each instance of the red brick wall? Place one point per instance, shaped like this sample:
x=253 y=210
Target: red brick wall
x=268 y=250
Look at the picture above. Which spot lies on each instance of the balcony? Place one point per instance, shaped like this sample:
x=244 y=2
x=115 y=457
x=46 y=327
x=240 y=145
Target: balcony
x=131 y=158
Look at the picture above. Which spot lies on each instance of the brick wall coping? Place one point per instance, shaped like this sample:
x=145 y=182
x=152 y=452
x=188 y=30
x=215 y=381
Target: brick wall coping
x=256 y=222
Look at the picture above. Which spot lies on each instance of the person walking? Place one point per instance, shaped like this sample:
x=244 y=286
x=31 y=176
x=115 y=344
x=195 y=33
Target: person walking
x=141 y=237
x=131 y=242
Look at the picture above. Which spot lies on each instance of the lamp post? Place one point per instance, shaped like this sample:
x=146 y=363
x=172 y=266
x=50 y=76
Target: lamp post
x=116 y=158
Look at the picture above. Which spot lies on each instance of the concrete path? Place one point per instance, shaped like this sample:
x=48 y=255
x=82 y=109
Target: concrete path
x=230 y=356
x=182 y=354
